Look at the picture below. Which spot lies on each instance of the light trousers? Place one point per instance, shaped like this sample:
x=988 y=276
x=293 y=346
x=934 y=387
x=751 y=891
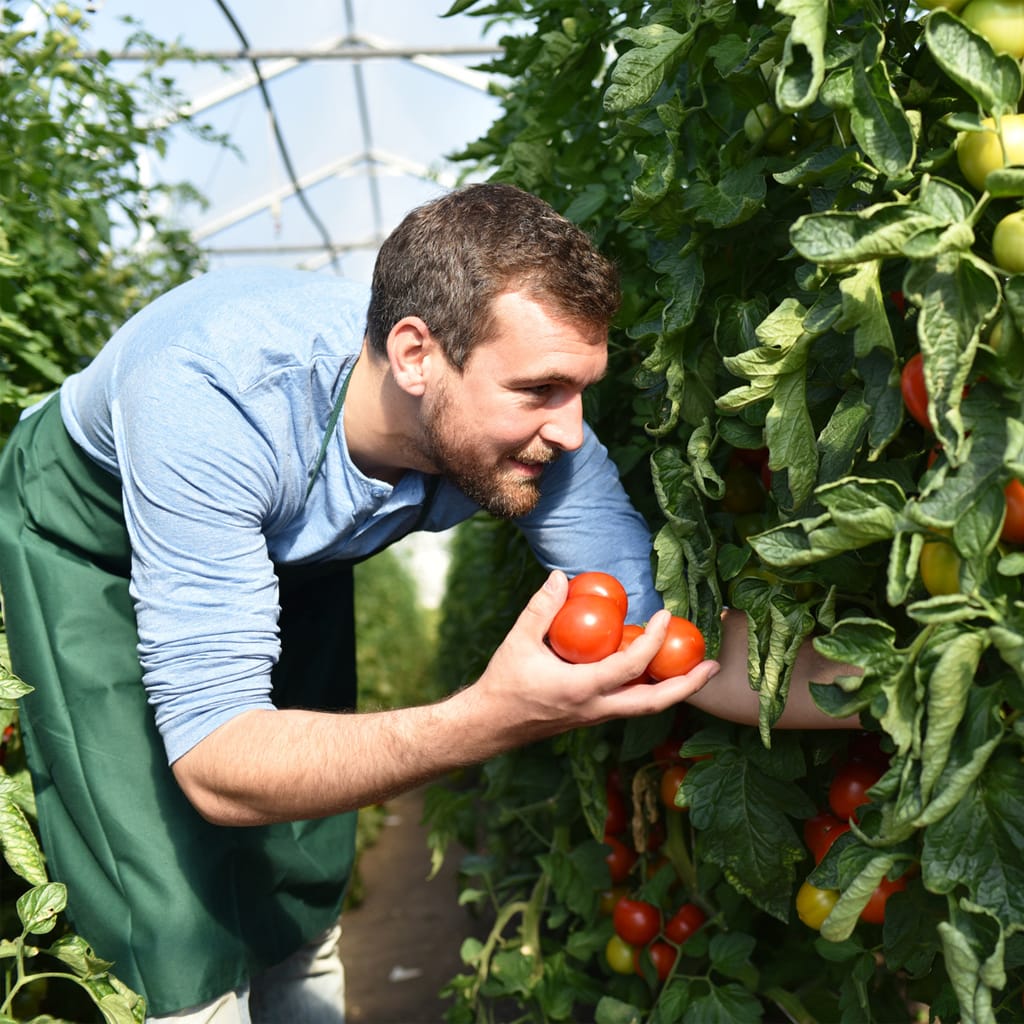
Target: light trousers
x=307 y=988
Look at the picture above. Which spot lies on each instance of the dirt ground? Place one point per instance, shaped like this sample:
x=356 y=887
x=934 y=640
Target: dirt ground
x=401 y=944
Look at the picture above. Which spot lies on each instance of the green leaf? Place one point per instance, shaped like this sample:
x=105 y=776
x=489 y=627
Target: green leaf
x=639 y=72
x=879 y=123
x=614 y=1011
x=969 y=60
x=803 y=61
x=20 y=847
x=744 y=816
x=38 y=908
x=724 y=1004
x=974 y=845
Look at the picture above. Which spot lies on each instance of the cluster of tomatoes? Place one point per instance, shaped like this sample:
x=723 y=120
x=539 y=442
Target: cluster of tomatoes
x=847 y=793
x=644 y=933
x=591 y=625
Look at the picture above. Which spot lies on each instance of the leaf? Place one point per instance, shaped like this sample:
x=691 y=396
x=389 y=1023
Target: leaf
x=78 y=955
x=38 y=908
x=969 y=60
x=976 y=845
x=20 y=847
x=744 y=816
x=639 y=72
x=803 y=62
x=730 y=201
x=724 y=1004
x=879 y=123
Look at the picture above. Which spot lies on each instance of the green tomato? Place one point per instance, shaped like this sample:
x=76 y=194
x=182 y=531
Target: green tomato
x=620 y=955
x=765 y=121
x=939 y=566
x=979 y=153
x=1001 y=22
x=1008 y=241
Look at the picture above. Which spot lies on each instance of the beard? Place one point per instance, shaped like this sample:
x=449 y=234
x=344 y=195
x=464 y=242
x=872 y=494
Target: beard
x=489 y=481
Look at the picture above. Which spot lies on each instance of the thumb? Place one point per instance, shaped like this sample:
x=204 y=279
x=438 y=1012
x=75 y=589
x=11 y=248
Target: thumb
x=545 y=604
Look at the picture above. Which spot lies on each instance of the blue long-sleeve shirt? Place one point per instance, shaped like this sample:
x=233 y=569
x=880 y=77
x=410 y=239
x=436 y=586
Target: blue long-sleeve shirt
x=211 y=406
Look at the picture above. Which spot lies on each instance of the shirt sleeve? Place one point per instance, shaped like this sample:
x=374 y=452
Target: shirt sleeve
x=586 y=522
x=200 y=478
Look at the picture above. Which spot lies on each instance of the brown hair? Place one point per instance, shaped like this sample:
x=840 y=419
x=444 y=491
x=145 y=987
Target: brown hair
x=449 y=259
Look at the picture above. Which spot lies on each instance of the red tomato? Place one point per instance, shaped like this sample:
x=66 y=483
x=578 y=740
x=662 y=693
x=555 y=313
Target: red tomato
x=848 y=790
x=682 y=650
x=603 y=585
x=671 y=780
x=630 y=631
x=663 y=956
x=636 y=921
x=820 y=832
x=874 y=909
x=617 y=816
x=620 y=859
x=586 y=629
x=915 y=395
x=684 y=922
x=1013 y=524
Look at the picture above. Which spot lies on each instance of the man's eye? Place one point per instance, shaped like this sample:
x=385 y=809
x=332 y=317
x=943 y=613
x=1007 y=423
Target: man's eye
x=539 y=389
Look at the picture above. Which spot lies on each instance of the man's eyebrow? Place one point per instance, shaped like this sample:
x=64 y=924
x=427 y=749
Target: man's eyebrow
x=555 y=377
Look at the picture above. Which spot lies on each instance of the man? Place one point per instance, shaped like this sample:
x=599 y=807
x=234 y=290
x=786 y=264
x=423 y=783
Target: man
x=177 y=531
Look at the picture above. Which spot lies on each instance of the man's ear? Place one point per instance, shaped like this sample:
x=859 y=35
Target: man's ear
x=411 y=350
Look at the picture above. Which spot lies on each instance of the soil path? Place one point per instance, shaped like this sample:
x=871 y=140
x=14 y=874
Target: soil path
x=400 y=946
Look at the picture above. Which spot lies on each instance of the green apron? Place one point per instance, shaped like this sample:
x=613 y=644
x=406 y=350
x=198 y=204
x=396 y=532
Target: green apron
x=186 y=910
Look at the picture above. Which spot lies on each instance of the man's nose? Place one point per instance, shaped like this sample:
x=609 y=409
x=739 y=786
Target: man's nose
x=564 y=426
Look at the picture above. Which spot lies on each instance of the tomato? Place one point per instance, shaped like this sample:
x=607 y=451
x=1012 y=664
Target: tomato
x=915 y=395
x=671 y=780
x=682 y=650
x=849 y=788
x=617 y=817
x=620 y=859
x=978 y=153
x=820 y=832
x=603 y=585
x=609 y=897
x=684 y=922
x=766 y=116
x=667 y=752
x=813 y=905
x=636 y=921
x=1013 y=524
x=1008 y=237
x=939 y=565
x=1001 y=22
x=743 y=490
x=874 y=909
x=620 y=955
x=630 y=631
x=586 y=629
x=663 y=956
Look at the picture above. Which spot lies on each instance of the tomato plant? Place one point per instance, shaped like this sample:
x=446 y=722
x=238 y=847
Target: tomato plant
x=772 y=299
x=681 y=651
x=586 y=629
x=636 y=921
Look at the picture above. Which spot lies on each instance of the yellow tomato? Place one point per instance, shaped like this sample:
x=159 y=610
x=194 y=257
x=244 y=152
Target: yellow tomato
x=1001 y=22
x=1008 y=241
x=813 y=905
x=978 y=153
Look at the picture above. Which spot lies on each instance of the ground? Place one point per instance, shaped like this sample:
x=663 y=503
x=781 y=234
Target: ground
x=401 y=944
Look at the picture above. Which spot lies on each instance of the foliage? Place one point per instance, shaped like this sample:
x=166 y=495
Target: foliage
x=84 y=240
x=777 y=277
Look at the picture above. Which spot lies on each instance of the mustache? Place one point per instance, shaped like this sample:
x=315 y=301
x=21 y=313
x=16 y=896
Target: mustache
x=543 y=456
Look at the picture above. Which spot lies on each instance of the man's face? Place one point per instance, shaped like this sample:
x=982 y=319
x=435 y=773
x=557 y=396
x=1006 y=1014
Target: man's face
x=516 y=406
